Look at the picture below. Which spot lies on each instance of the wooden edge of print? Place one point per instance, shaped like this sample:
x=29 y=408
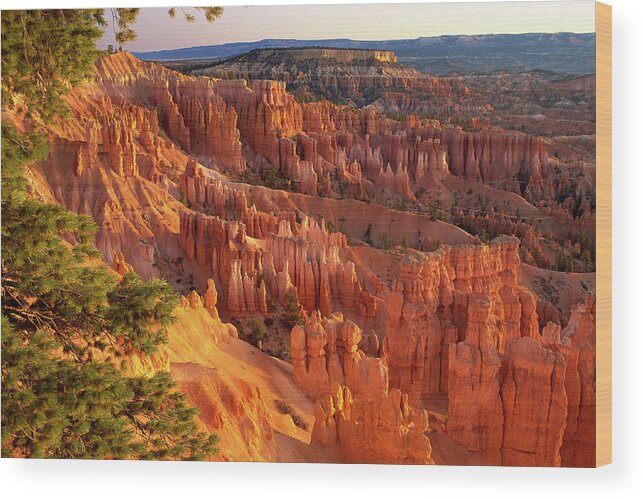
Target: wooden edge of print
x=603 y=234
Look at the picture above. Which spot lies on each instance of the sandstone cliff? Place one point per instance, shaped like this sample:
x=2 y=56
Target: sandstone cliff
x=325 y=353
x=365 y=430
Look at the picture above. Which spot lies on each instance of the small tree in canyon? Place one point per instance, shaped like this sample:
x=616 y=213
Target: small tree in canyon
x=292 y=315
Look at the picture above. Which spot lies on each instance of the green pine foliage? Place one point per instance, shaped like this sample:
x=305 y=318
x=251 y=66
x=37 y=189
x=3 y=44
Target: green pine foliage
x=211 y=13
x=44 y=52
x=291 y=315
x=139 y=311
x=54 y=407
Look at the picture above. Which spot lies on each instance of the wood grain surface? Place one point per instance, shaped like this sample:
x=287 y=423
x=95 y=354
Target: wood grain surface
x=603 y=234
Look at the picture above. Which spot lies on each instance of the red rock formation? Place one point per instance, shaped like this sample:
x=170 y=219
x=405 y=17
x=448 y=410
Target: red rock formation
x=396 y=182
x=325 y=352
x=244 y=294
x=338 y=55
x=210 y=195
x=120 y=265
x=213 y=197
x=212 y=119
x=307 y=179
x=352 y=177
x=534 y=404
x=220 y=246
x=343 y=74
x=210 y=300
x=190 y=112
x=308 y=263
x=213 y=130
x=311 y=263
x=579 y=348
x=268 y=118
x=475 y=411
x=100 y=165
x=428 y=308
x=365 y=430
x=519 y=398
x=271 y=122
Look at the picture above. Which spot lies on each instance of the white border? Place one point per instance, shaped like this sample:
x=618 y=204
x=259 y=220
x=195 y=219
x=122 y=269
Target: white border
x=116 y=480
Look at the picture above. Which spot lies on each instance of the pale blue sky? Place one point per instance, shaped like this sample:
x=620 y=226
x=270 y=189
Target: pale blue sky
x=156 y=31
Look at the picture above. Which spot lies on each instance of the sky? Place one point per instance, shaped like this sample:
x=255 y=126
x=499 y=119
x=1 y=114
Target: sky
x=156 y=31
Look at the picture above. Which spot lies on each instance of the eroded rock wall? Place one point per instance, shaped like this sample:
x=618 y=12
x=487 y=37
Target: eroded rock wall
x=380 y=431
x=325 y=352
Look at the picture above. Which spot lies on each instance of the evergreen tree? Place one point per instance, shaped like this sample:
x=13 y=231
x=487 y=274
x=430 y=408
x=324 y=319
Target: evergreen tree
x=138 y=308
x=65 y=319
x=44 y=52
x=291 y=315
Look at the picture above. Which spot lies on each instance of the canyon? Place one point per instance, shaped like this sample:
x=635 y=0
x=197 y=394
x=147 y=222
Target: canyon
x=355 y=287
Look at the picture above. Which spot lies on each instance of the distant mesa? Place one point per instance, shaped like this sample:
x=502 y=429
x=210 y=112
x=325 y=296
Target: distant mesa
x=344 y=76
x=336 y=54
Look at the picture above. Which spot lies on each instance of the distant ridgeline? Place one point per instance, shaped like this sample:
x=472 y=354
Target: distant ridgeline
x=560 y=52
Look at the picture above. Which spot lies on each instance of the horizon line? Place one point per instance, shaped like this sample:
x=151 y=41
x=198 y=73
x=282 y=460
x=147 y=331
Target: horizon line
x=365 y=40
